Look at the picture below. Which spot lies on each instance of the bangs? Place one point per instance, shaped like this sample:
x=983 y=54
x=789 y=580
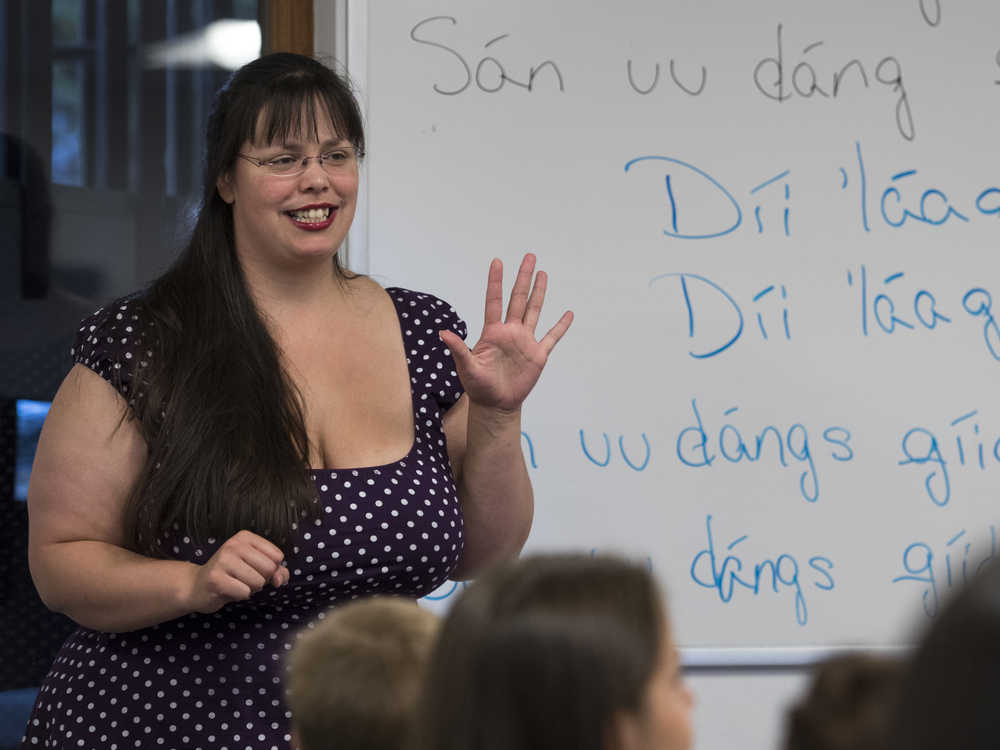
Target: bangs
x=294 y=107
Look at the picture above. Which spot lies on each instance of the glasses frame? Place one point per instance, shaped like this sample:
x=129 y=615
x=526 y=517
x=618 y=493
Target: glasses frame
x=303 y=163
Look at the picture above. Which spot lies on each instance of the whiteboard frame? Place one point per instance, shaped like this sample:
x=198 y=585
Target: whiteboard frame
x=346 y=22
x=711 y=659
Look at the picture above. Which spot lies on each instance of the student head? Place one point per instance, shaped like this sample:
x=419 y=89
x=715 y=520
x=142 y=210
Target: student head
x=354 y=680
x=950 y=693
x=564 y=652
x=847 y=706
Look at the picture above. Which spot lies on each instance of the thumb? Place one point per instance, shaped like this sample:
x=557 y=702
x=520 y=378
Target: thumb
x=461 y=353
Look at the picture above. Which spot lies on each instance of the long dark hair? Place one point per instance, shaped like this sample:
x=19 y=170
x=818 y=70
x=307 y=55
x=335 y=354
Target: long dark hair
x=228 y=448
x=543 y=654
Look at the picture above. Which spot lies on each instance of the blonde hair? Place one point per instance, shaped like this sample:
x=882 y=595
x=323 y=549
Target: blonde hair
x=354 y=680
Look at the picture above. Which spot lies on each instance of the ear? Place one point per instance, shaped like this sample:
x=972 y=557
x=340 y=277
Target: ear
x=225 y=187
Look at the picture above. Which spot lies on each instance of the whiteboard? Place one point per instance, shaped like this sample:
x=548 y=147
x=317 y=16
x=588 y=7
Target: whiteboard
x=777 y=225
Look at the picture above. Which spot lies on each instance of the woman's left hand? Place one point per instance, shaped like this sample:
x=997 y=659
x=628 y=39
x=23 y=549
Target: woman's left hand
x=502 y=368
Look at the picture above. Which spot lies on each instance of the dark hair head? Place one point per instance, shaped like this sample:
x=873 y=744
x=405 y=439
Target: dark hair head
x=848 y=705
x=950 y=693
x=228 y=448
x=270 y=99
x=543 y=654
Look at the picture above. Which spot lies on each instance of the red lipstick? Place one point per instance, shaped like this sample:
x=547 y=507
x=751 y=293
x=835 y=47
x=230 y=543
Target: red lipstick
x=312 y=224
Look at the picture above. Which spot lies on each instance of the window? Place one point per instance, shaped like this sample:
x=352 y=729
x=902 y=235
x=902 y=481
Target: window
x=102 y=138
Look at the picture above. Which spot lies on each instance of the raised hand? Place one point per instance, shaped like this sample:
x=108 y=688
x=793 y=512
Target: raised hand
x=504 y=365
x=243 y=565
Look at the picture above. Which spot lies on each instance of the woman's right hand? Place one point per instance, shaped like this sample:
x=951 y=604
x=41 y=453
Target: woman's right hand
x=242 y=566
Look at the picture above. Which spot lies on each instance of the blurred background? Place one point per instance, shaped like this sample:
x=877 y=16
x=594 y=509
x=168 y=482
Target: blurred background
x=103 y=105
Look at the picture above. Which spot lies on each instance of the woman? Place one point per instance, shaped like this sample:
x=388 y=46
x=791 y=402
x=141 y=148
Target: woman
x=563 y=652
x=260 y=435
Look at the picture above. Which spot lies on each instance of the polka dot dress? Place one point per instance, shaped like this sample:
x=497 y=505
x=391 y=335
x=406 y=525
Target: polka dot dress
x=215 y=681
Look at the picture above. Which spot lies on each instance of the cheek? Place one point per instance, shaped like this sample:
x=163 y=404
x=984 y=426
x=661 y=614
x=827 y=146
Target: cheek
x=347 y=186
x=670 y=725
x=274 y=192
x=263 y=192
x=679 y=720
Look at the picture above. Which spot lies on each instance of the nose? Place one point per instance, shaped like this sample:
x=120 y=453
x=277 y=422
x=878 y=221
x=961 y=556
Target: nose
x=315 y=177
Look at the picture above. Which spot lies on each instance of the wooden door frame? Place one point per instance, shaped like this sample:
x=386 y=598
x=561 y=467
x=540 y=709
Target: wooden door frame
x=286 y=26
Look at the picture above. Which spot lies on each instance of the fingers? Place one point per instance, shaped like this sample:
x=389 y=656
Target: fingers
x=243 y=565
x=217 y=584
x=280 y=577
x=253 y=560
x=494 y=292
x=556 y=332
x=536 y=300
x=246 y=574
x=260 y=564
x=519 y=294
x=262 y=545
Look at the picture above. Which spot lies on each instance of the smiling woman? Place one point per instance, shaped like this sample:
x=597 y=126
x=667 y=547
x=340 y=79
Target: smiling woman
x=225 y=461
x=276 y=176
x=276 y=195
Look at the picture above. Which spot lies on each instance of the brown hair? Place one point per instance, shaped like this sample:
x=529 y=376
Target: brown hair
x=543 y=653
x=354 y=680
x=848 y=705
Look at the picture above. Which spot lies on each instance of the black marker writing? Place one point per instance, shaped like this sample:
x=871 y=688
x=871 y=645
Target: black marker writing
x=931 y=11
x=673 y=75
x=490 y=74
x=775 y=79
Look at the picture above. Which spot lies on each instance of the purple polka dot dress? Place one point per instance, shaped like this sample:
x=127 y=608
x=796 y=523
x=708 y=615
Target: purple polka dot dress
x=214 y=681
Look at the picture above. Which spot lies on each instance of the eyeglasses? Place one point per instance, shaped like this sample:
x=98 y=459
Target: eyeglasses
x=287 y=165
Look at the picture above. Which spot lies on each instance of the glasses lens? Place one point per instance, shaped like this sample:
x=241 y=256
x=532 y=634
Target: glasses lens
x=289 y=166
x=284 y=165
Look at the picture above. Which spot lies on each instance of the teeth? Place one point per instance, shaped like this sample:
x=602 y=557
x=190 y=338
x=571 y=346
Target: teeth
x=311 y=215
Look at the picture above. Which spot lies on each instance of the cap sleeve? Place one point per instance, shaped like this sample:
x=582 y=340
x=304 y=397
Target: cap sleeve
x=111 y=341
x=432 y=367
x=447 y=319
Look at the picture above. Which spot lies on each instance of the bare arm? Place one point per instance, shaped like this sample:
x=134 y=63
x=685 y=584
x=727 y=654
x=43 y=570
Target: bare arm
x=484 y=427
x=497 y=500
x=87 y=462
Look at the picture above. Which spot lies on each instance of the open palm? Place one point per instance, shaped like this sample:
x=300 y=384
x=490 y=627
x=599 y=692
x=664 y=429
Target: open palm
x=504 y=365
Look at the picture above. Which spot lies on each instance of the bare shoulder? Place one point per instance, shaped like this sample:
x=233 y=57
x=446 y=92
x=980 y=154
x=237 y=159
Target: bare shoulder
x=365 y=288
x=89 y=456
x=370 y=301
